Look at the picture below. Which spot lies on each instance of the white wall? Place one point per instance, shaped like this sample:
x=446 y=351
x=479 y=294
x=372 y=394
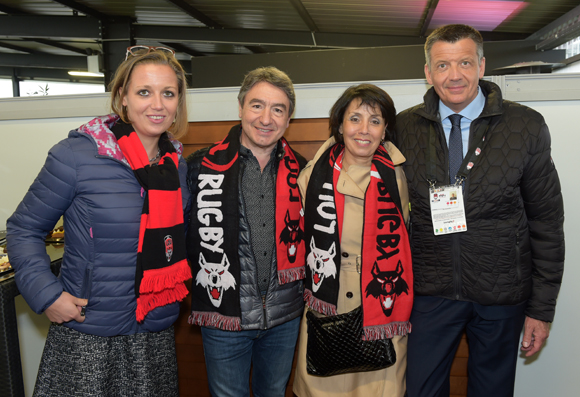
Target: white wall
x=556 y=370
x=25 y=144
x=30 y=126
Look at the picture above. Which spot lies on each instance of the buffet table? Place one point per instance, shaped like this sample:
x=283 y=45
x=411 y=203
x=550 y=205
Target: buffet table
x=11 y=381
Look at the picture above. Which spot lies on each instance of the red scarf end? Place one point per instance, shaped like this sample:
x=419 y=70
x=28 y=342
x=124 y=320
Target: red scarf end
x=148 y=302
x=286 y=276
x=157 y=280
x=319 y=305
x=216 y=320
x=386 y=331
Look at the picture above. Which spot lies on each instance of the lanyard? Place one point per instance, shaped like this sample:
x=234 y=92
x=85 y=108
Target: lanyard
x=468 y=161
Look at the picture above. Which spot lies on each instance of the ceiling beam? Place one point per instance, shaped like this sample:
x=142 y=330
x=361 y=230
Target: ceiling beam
x=31 y=73
x=305 y=15
x=195 y=13
x=83 y=9
x=45 y=61
x=258 y=37
x=64 y=27
x=19 y=48
x=562 y=30
x=118 y=35
x=210 y=23
x=11 y=11
x=256 y=49
x=46 y=74
x=178 y=47
x=426 y=21
x=55 y=27
x=62 y=46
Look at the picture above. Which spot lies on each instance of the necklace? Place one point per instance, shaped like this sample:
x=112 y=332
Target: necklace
x=156 y=156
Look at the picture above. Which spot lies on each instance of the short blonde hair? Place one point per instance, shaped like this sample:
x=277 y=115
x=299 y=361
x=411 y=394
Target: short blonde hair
x=122 y=78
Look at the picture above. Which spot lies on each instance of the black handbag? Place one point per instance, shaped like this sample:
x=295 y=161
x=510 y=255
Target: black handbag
x=335 y=346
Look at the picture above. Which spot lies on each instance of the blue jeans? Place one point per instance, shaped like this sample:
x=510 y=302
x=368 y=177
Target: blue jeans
x=230 y=354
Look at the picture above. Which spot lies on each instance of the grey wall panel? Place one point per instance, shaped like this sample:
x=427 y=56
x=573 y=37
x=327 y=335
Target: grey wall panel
x=379 y=63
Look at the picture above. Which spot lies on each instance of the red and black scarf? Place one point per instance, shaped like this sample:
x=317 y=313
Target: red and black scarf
x=214 y=232
x=386 y=267
x=162 y=264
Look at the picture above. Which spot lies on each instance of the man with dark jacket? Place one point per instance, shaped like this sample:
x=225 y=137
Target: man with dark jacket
x=245 y=243
x=487 y=222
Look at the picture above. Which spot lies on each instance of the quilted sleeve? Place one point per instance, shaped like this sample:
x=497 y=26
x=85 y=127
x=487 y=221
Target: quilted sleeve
x=47 y=199
x=540 y=189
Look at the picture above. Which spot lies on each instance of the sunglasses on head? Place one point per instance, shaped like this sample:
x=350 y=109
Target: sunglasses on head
x=138 y=50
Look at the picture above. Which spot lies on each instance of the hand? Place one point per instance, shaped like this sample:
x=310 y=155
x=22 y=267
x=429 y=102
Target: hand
x=535 y=333
x=66 y=308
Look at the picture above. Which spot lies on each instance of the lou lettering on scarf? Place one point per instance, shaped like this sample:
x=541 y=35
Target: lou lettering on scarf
x=326 y=201
x=212 y=237
x=387 y=243
x=292 y=176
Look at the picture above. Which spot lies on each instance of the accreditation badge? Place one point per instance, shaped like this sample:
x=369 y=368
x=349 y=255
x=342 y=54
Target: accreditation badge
x=447 y=209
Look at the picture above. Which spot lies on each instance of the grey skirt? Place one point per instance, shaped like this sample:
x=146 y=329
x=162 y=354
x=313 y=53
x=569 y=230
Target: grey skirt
x=77 y=364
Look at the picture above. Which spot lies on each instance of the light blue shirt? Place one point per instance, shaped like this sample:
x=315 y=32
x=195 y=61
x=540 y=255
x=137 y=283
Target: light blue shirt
x=470 y=113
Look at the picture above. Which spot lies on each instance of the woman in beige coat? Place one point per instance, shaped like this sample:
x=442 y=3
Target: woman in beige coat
x=360 y=119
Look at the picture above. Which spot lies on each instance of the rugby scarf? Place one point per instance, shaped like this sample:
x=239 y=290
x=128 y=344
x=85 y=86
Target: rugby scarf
x=386 y=267
x=214 y=232
x=162 y=264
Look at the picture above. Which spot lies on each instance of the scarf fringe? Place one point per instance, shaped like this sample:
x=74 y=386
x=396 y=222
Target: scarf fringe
x=157 y=280
x=386 y=331
x=289 y=275
x=216 y=320
x=148 y=302
x=319 y=305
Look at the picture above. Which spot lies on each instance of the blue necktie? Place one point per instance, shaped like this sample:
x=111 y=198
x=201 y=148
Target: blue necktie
x=455 y=146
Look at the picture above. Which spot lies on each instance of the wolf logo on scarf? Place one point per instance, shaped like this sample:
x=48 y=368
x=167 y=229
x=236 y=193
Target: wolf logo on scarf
x=386 y=286
x=321 y=263
x=215 y=278
x=291 y=235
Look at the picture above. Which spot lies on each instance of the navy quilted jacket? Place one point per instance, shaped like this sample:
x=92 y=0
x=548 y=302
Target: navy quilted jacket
x=87 y=179
x=513 y=249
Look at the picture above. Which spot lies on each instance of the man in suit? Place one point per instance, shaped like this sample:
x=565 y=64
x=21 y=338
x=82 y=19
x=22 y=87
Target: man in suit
x=490 y=261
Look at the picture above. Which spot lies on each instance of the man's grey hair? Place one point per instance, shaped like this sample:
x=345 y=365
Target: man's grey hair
x=452 y=34
x=272 y=75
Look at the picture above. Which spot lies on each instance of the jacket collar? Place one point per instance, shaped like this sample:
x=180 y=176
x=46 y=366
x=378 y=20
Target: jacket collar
x=99 y=129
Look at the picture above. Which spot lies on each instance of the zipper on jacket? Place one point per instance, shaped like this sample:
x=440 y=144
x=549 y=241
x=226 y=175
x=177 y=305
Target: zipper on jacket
x=87 y=281
x=518 y=262
x=88 y=277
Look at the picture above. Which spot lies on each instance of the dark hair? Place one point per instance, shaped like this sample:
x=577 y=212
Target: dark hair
x=272 y=75
x=370 y=95
x=120 y=83
x=452 y=34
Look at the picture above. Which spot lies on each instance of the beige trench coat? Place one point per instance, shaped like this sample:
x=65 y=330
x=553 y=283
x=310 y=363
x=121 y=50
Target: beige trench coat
x=389 y=382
